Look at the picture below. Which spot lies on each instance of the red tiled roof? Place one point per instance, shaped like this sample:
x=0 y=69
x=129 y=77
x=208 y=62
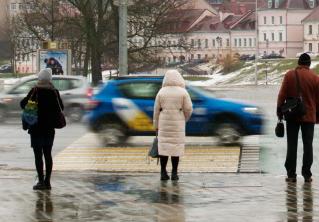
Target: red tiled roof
x=313 y=16
x=246 y=22
x=181 y=20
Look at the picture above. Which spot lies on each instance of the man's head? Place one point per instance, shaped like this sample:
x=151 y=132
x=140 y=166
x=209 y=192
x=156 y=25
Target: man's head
x=304 y=60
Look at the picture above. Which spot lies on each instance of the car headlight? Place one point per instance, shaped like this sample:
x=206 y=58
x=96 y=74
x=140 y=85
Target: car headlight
x=252 y=110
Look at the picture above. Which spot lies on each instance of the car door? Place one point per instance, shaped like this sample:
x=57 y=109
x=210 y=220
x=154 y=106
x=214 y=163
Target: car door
x=140 y=97
x=16 y=94
x=199 y=122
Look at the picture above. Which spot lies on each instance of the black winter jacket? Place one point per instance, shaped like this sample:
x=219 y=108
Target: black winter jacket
x=48 y=109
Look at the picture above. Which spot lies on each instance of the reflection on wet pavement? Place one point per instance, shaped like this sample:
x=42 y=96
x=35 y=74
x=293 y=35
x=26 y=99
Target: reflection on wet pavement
x=43 y=206
x=294 y=210
x=201 y=197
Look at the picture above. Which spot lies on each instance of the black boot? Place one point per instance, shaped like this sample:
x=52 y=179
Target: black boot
x=175 y=175
x=47 y=183
x=164 y=175
x=39 y=186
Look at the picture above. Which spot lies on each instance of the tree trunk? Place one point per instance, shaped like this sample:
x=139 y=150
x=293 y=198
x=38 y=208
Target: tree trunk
x=96 y=70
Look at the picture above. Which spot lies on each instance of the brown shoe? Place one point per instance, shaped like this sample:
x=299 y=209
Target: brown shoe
x=291 y=179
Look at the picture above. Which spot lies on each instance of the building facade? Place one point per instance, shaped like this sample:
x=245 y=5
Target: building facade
x=311 y=31
x=280 y=27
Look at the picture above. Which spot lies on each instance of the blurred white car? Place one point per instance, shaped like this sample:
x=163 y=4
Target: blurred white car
x=311 y=54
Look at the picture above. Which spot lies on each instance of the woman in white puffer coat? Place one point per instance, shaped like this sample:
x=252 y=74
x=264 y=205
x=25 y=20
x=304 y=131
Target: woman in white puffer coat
x=173 y=108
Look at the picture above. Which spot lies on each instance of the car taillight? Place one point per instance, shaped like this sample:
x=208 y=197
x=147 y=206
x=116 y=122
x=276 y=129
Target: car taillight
x=92 y=104
x=89 y=92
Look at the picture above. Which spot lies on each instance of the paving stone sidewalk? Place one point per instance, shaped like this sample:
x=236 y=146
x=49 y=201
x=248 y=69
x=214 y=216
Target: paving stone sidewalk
x=92 y=196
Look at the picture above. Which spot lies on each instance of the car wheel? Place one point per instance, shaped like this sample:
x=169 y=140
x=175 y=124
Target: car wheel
x=112 y=134
x=228 y=134
x=75 y=113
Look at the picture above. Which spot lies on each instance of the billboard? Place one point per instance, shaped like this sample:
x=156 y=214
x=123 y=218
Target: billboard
x=58 y=60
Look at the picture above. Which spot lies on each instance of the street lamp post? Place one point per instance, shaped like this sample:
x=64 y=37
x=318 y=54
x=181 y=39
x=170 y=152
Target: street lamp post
x=218 y=39
x=257 y=45
x=123 y=66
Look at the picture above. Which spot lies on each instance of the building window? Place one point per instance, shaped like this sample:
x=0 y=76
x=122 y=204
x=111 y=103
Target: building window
x=265 y=20
x=227 y=42
x=20 y=6
x=13 y=6
x=311 y=3
x=206 y=56
x=255 y=42
x=310 y=29
x=206 y=43
x=272 y=36
x=239 y=42
x=214 y=43
x=198 y=56
x=272 y=19
x=310 y=47
x=192 y=56
x=280 y=36
x=280 y=19
x=265 y=36
x=269 y=3
x=245 y=42
x=250 y=42
x=235 y=42
x=199 y=43
x=192 y=43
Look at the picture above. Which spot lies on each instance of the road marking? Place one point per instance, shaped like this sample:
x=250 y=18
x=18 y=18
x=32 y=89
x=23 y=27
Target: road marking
x=134 y=159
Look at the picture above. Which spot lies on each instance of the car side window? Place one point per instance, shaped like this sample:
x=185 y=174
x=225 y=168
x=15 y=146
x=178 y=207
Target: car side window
x=75 y=83
x=24 y=88
x=61 y=84
x=140 y=90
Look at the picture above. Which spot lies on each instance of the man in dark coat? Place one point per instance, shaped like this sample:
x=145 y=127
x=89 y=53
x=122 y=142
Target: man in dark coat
x=309 y=91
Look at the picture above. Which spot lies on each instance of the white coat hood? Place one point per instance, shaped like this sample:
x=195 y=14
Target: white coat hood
x=173 y=78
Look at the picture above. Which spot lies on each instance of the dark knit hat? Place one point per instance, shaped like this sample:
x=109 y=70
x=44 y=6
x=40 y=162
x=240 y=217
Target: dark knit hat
x=304 y=60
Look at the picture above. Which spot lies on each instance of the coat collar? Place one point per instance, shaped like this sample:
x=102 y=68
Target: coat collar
x=302 y=67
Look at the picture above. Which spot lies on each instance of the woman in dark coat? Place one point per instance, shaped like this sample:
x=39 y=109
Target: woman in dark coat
x=42 y=133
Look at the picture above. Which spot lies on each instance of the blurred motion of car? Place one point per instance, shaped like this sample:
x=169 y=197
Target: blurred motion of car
x=75 y=92
x=124 y=107
x=272 y=56
x=6 y=68
x=311 y=54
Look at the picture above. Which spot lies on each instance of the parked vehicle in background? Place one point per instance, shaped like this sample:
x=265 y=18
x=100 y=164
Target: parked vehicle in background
x=311 y=54
x=6 y=68
x=245 y=57
x=75 y=92
x=124 y=108
x=272 y=56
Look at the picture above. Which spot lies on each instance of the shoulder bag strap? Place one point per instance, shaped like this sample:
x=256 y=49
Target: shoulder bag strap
x=57 y=99
x=298 y=85
x=34 y=91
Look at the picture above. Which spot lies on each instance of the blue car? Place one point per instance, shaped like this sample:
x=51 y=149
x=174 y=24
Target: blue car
x=124 y=107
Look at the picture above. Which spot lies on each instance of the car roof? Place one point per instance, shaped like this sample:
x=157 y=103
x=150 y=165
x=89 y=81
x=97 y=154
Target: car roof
x=53 y=77
x=139 y=77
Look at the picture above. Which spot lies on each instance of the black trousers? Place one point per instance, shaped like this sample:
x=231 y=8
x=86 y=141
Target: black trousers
x=307 y=131
x=42 y=146
x=164 y=160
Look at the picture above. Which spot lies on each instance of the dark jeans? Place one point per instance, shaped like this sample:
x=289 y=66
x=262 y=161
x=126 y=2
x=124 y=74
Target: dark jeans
x=307 y=130
x=164 y=160
x=42 y=146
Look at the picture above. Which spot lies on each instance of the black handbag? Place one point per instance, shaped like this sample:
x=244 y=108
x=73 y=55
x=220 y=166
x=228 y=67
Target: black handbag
x=60 y=119
x=280 y=129
x=294 y=107
x=153 y=151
